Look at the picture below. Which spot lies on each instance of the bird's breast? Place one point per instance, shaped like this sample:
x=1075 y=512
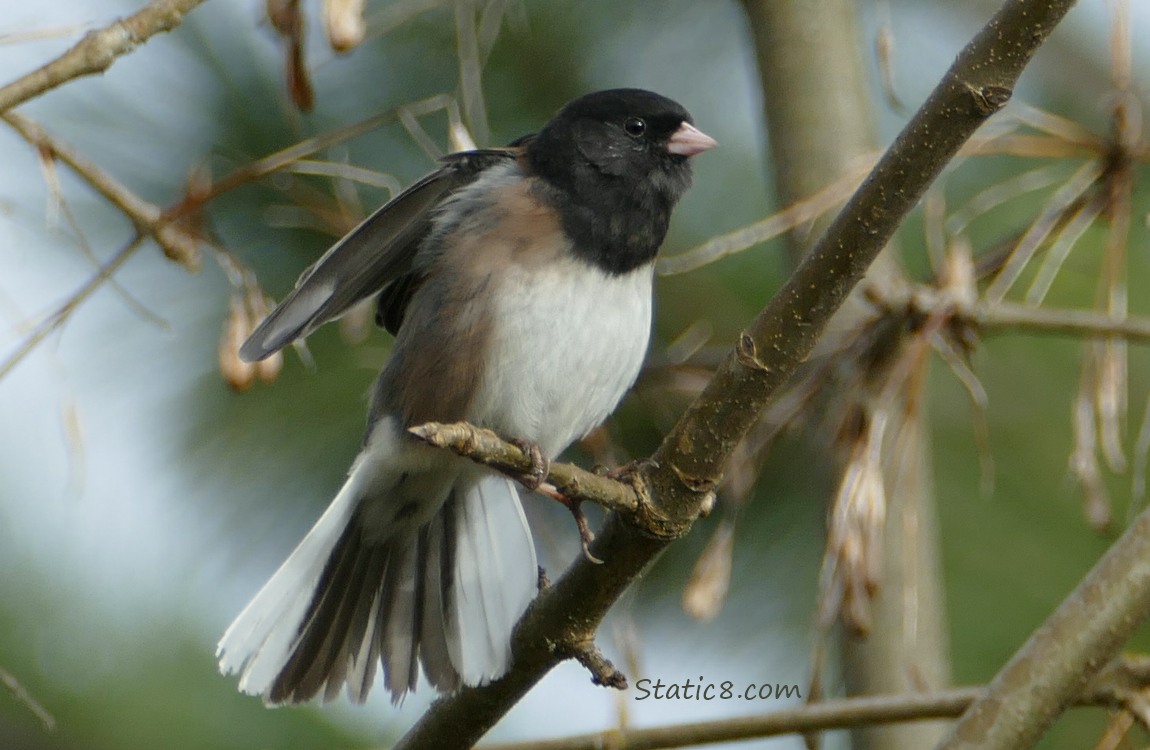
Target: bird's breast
x=567 y=342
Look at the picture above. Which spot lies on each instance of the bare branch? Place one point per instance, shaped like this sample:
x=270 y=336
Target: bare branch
x=149 y=219
x=485 y=447
x=603 y=672
x=61 y=314
x=1005 y=316
x=22 y=695
x=1120 y=683
x=285 y=158
x=97 y=50
x=784 y=333
x=1061 y=656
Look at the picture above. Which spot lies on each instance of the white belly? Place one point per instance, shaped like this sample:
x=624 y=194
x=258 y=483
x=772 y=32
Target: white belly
x=568 y=343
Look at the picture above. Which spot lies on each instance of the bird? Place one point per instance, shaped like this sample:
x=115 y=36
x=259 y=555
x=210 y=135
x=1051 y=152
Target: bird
x=518 y=283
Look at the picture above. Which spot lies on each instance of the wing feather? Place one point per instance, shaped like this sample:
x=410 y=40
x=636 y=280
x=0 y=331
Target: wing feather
x=371 y=256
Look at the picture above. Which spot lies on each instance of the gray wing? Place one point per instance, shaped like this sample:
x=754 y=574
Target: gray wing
x=371 y=256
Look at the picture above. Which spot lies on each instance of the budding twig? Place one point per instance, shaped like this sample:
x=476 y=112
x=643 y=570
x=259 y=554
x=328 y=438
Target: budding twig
x=485 y=447
x=97 y=50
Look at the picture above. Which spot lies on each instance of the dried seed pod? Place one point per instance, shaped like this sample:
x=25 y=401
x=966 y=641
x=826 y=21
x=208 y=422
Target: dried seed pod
x=1084 y=463
x=287 y=19
x=706 y=591
x=851 y=568
x=344 y=22
x=356 y=324
x=238 y=374
x=270 y=367
x=257 y=307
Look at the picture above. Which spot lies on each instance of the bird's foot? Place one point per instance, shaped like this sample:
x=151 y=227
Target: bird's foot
x=540 y=464
x=586 y=536
x=533 y=480
x=629 y=472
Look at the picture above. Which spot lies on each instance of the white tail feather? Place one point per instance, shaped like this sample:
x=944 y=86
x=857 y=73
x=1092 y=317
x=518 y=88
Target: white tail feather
x=496 y=576
x=259 y=641
x=464 y=637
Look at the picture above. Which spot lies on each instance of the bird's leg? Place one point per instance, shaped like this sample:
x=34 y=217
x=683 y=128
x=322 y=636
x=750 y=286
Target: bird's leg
x=533 y=480
x=586 y=536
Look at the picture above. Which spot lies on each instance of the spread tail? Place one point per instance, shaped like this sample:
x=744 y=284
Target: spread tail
x=444 y=595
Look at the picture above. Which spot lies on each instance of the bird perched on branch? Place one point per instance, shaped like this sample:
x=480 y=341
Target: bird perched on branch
x=518 y=284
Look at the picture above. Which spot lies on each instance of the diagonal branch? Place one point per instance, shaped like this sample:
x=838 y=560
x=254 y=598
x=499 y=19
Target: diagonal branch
x=23 y=696
x=60 y=315
x=148 y=218
x=780 y=338
x=1117 y=687
x=1060 y=657
x=692 y=458
x=96 y=52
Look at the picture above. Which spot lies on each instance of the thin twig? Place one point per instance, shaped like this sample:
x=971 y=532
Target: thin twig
x=1009 y=315
x=603 y=672
x=470 y=70
x=812 y=717
x=286 y=157
x=1005 y=316
x=61 y=314
x=148 y=218
x=129 y=299
x=485 y=447
x=97 y=50
x=21 y=694
x=1057 y=209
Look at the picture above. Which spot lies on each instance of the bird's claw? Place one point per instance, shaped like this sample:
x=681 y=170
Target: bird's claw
x=540 y=464
x=533 y=480
x=586 y=536
x=627 y=471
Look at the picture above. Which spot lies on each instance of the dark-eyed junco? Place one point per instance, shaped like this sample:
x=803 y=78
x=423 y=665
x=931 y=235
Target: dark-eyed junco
x=518 y=284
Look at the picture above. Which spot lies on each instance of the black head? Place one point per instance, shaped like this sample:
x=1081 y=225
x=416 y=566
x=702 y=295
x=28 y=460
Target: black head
x=617 y=163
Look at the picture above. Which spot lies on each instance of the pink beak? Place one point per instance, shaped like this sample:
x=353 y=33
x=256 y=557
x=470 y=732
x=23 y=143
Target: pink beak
x=689 y=140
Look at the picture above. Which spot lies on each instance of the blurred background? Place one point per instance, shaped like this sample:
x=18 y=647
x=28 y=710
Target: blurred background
x=143 y=501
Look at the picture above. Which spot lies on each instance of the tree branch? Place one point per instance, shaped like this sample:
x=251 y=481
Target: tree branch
x=781 y=337
x=60 y=315
x=97 y=50
x=692 y=458
x=485 y=447
x=1061 y=656
x=148 y=218
x=23 y=696
x=1110 y=690
x=820 y=126
x=1004 y=316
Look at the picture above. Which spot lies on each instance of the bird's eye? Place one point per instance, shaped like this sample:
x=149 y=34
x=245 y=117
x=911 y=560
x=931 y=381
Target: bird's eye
x=635 y=126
